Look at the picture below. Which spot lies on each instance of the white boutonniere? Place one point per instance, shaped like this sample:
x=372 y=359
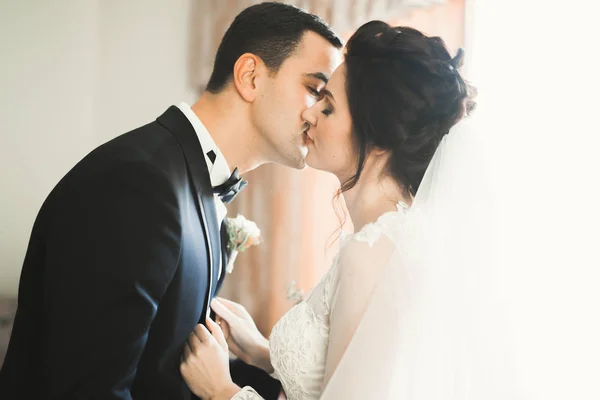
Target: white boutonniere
x=243 y=234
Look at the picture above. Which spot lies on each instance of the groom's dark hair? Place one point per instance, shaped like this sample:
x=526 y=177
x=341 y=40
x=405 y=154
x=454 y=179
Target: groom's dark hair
x=270 y=30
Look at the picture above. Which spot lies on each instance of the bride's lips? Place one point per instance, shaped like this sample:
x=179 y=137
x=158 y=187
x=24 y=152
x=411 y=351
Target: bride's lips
x=307 y=137
x=306 y=132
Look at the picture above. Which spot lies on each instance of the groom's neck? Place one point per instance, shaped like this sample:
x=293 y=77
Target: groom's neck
x=226 y=119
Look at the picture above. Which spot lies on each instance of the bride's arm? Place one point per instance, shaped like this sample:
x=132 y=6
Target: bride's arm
x=360 y=266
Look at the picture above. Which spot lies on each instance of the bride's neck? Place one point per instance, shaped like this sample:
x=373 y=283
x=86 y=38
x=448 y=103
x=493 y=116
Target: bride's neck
x=374 y=194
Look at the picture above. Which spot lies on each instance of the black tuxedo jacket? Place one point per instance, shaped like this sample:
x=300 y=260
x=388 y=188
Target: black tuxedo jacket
x=121 y=264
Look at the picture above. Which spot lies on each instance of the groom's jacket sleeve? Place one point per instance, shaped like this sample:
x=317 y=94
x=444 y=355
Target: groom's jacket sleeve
x=114 y=247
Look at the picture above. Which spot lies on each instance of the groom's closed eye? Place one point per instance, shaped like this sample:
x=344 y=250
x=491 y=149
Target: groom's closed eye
x=314 y=92
x=317 y=80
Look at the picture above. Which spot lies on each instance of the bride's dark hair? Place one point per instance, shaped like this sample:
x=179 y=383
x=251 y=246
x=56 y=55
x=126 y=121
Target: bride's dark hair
x=405 y=93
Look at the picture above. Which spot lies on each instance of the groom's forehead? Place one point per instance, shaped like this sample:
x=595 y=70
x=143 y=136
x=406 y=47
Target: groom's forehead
x=315 y=53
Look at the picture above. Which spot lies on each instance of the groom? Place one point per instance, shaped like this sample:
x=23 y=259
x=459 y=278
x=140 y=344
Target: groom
x=126 y=251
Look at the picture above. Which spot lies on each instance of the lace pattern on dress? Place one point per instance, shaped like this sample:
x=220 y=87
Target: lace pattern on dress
x=299 y=341
x=388 y=223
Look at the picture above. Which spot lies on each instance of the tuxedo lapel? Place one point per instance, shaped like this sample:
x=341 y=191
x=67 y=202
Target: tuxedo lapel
x=224 y=255
x=178 y=124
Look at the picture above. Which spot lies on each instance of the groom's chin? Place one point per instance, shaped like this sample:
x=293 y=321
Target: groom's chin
x=299 y=163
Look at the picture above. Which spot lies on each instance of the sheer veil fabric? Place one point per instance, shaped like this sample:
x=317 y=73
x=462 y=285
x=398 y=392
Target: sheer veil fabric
x=435 y=327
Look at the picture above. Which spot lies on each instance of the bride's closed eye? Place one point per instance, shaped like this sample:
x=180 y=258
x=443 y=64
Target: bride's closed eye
x=327 y=96
x=327 y=109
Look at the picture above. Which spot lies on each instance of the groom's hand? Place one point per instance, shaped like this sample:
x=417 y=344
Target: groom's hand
x=242 y=335
x=205 y=363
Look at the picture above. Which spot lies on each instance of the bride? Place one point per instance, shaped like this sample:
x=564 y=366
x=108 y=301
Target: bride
x=376 y=325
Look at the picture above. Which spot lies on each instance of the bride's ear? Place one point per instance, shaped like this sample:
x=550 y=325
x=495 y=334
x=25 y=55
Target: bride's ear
x=247 y=71
x=379 y=152
x=378 y=157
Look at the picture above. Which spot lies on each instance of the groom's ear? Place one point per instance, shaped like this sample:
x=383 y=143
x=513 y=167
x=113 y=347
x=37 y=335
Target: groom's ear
x=246 y=71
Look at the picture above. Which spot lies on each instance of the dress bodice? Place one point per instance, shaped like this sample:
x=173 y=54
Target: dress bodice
x=300 y=339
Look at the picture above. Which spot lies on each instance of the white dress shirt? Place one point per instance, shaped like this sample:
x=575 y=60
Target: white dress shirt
x=218 y=168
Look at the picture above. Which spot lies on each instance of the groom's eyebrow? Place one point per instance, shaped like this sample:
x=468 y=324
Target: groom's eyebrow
x=318 y=75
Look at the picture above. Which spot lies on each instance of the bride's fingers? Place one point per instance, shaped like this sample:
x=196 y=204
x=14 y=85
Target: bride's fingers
x=222 y=311
x=224 y=327
x=232 y=305
x=231 y=344
x=233 y=348
x=216 y=332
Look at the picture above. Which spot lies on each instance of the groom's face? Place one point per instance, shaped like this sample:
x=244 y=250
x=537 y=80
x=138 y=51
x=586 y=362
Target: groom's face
x=288 y=93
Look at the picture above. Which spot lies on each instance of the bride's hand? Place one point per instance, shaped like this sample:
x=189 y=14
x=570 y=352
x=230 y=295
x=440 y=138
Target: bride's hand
x=205 y=363
x=243 y=338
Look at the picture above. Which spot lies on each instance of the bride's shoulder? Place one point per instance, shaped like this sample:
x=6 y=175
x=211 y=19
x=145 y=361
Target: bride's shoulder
x=358 y=257
x=361 y=262
x=388 y=225
x=367 y=251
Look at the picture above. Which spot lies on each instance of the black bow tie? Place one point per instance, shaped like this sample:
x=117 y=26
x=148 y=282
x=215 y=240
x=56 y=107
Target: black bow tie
x=231 y=187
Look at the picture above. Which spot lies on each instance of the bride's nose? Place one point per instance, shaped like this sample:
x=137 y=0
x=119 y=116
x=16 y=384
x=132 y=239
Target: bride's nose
x=310 y=115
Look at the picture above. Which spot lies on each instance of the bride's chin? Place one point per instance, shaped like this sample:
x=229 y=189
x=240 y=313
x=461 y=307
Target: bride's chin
x=313 y=162
x=315 y=165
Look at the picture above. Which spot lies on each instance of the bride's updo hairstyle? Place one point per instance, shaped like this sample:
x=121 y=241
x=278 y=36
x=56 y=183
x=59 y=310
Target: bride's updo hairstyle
x=405 y=93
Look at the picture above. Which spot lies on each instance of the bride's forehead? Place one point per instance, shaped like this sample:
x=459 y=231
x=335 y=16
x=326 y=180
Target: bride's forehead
x=338 y=78
x=339 y=74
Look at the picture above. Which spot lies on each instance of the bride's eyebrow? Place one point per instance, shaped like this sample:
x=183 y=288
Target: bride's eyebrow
x=327 y=93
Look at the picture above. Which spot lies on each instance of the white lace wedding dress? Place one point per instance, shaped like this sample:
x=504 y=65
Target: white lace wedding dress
x=304 y=346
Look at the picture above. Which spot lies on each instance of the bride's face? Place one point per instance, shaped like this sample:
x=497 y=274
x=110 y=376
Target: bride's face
x=329 y=139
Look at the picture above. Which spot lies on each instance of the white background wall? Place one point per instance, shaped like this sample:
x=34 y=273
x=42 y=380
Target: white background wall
x=538 y=86
x=74 y=74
